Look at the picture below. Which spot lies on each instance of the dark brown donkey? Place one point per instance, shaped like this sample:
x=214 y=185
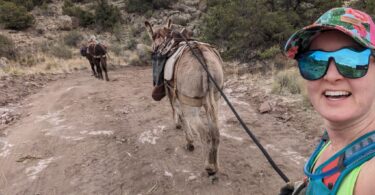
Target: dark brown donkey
x=96 y=54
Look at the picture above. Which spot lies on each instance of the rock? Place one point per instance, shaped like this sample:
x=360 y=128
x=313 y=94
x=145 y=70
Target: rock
x=3 y=62
x=202 y=6
x=265 y=107
x=284 y=117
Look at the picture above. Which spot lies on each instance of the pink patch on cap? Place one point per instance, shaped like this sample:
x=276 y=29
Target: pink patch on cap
x=372 y=32
x=358 y=14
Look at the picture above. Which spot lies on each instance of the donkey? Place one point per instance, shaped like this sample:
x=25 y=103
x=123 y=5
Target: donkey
x=96 y=54
x=190 y=90
x=98 y=51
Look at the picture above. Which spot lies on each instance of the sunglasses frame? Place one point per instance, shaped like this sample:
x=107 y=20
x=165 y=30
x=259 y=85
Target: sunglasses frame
x=372 y=53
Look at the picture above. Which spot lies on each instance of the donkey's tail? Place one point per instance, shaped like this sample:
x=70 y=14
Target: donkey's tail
x=211 y=102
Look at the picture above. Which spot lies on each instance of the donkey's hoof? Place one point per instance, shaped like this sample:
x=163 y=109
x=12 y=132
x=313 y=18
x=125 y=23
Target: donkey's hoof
x=211 y=170
x=213 y=178
x=190 y=147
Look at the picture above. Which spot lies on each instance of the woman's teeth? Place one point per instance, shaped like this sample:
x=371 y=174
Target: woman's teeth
x=336 y=94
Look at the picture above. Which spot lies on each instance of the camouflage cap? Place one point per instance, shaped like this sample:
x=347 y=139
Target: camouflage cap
x=354 y=23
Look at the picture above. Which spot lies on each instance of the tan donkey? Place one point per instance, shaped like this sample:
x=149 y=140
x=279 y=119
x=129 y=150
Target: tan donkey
x=189 y=89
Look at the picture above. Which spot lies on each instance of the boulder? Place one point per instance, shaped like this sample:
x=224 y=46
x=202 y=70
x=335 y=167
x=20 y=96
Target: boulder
x=265 y=107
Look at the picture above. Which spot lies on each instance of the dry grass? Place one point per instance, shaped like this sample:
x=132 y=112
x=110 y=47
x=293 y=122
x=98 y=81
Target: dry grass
x=287 y=81
x=46 y=63
x=42 y=63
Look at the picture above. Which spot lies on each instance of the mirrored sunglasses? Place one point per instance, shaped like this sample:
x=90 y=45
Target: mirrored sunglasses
x=349 y=62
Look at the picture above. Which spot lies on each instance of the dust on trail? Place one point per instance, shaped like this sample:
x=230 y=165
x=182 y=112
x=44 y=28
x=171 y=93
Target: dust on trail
x=79 y=135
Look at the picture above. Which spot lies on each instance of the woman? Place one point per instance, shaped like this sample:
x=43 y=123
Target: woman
x=335 y=56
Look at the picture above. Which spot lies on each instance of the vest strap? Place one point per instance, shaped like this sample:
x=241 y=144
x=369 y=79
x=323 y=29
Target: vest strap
x=350 y=157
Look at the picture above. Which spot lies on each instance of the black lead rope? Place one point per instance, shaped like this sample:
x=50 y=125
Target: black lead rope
x=264 y=151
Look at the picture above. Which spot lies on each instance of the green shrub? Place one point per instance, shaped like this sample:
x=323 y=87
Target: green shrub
x=15 y=17
x=117 y=31
x=29 y=4
x=117 y=49
x=158 y=4
x=139 y=6
x=7 y=48
x=73 y=38
x=270 y=52
x=131 y=44
x=142 y=6
x=106 y=16
x=241 y=27
x=85 y=18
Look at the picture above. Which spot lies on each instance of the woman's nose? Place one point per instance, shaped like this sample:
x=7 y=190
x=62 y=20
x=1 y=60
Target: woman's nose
x=332 y=73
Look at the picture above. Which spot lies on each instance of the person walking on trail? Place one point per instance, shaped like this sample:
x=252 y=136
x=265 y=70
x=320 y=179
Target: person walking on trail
x=336 y=57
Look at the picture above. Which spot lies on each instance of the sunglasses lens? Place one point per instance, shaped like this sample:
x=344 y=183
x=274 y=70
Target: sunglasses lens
x=311 y=66
x=350 y=63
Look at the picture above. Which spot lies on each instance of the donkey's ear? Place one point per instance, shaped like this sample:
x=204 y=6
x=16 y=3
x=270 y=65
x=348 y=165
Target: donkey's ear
x=150 y=32
x=169 y=23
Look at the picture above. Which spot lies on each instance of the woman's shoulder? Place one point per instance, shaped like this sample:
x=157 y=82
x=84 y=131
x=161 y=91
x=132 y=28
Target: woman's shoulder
x=365 y=182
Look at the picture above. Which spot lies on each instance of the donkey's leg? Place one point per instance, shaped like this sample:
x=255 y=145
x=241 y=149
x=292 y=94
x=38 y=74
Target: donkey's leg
x=213 y=138
x=93 y=69
x=190 y=119
x=178 y=120
x=177 y=115
x=208 y=137
x=99 y=69
x=103 y=61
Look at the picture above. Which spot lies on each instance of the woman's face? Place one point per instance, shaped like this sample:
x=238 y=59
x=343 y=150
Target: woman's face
x=340 y=100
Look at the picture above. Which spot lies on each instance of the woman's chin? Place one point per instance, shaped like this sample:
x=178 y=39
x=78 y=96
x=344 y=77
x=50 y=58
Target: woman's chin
x=340 y=117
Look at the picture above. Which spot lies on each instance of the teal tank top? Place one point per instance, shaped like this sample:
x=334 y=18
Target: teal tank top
x=345 y=188
x=351 y=160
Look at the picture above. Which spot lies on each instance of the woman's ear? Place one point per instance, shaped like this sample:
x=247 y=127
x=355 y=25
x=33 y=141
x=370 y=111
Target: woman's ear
x=150 y=32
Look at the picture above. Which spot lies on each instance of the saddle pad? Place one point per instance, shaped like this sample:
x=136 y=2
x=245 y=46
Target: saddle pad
x=169 y=65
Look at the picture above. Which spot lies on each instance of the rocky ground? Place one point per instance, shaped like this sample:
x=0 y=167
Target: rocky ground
x=73 y=134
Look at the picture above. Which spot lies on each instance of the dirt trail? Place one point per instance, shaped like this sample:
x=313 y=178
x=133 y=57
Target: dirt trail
x=79 y=135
